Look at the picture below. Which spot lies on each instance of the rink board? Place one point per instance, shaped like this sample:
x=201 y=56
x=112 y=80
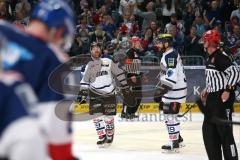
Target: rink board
x=149 y=108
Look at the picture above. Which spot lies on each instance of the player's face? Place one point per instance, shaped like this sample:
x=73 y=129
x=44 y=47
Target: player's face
x=160 y=46
x=96 y=52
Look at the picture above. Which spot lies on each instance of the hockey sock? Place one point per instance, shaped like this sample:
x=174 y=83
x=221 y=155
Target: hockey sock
x=100 y=127
x=60 y=151
x=173 y=127
x=109 y=121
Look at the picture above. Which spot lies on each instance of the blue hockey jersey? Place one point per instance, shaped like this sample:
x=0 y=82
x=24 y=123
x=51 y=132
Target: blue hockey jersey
x=32 y=57
x=11 y=107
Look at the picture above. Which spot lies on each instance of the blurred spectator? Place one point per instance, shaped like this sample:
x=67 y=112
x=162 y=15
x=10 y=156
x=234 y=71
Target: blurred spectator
x=233 y=39
x=227 y=6
x=191 y=44
x=147 y=16
x=108 y=25
x=200 y=24
x=23 y=9
x=218 y=26
x=174 y=22
x=188 y=18
x=147 y=42
x=178 y=39
x=83 y=30
x=229 y=25
x=100 y=36
x=155 y=29
x=87 y=13
x=212 y=13
x=4 y=13
x=129 y=26
x=168 y=8
x=236 y=13
x=77 y=47
x=126 y=6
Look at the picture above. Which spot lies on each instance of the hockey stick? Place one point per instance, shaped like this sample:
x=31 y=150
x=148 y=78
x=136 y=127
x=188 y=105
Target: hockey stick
x=215 y=119
x=189 y=107
x=224 y=121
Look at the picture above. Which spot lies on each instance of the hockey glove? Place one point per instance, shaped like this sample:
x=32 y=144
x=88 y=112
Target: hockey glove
x=161 y=90
x=82 y=97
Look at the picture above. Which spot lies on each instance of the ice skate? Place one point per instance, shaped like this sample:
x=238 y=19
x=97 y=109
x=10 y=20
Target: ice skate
x=181 y=143
x=101 y=141
x=172 y=147
x=108 y=141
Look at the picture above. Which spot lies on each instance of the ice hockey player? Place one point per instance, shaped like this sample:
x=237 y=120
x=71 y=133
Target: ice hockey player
x=172 y=87
x=20 y=134
x=35 y=54
x=98 y=84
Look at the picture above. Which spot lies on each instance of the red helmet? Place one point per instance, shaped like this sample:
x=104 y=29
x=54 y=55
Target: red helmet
x=213 y=37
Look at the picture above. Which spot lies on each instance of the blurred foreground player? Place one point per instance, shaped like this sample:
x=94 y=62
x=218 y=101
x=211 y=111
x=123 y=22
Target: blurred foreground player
x=172 y=87
x=221 y=79
x=98 y=83
x=20 y=134
x=35 y=55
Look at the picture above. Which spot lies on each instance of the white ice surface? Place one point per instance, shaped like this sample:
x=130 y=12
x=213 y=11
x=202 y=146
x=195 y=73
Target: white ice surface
x=141 y=140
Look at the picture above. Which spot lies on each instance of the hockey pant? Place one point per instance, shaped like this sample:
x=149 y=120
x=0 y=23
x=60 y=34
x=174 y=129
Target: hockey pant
x=107 y=105
x=136 y=96
x=219 y=138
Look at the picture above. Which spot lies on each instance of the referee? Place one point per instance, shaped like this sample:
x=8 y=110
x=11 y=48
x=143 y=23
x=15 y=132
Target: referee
x=221 y=79
x=132 y=66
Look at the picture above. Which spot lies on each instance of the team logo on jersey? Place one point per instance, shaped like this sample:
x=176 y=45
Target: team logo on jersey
x=171 y=62
x=105 y=63
x=169 y=73
x=15 y=53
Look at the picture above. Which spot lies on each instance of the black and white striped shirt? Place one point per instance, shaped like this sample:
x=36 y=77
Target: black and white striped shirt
x=133 y=62
x=220 y=72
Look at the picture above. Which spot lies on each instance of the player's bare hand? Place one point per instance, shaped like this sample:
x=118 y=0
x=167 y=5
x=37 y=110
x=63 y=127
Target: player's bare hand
x=204 y=95
x=225 y=96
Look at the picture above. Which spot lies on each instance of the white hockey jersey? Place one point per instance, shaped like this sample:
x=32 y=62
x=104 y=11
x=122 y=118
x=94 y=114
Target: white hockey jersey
x=99 y=76
x=174 y=77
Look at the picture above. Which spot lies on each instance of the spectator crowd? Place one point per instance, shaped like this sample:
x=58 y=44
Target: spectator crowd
x=113 y=22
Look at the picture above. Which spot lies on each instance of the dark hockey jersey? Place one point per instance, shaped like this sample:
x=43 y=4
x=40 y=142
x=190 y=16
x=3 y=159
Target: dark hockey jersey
x=11 y=107
x=33 y=58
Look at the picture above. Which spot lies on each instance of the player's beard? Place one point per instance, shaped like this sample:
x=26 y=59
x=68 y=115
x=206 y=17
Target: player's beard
x=96 y=55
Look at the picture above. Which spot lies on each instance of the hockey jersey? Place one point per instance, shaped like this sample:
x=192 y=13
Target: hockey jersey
x=33 y=58
x=99 y=76
x=11 y=107
x=174 y=77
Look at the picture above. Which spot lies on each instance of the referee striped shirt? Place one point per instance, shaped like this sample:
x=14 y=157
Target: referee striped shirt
x=220 y=72
x=132 y=62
